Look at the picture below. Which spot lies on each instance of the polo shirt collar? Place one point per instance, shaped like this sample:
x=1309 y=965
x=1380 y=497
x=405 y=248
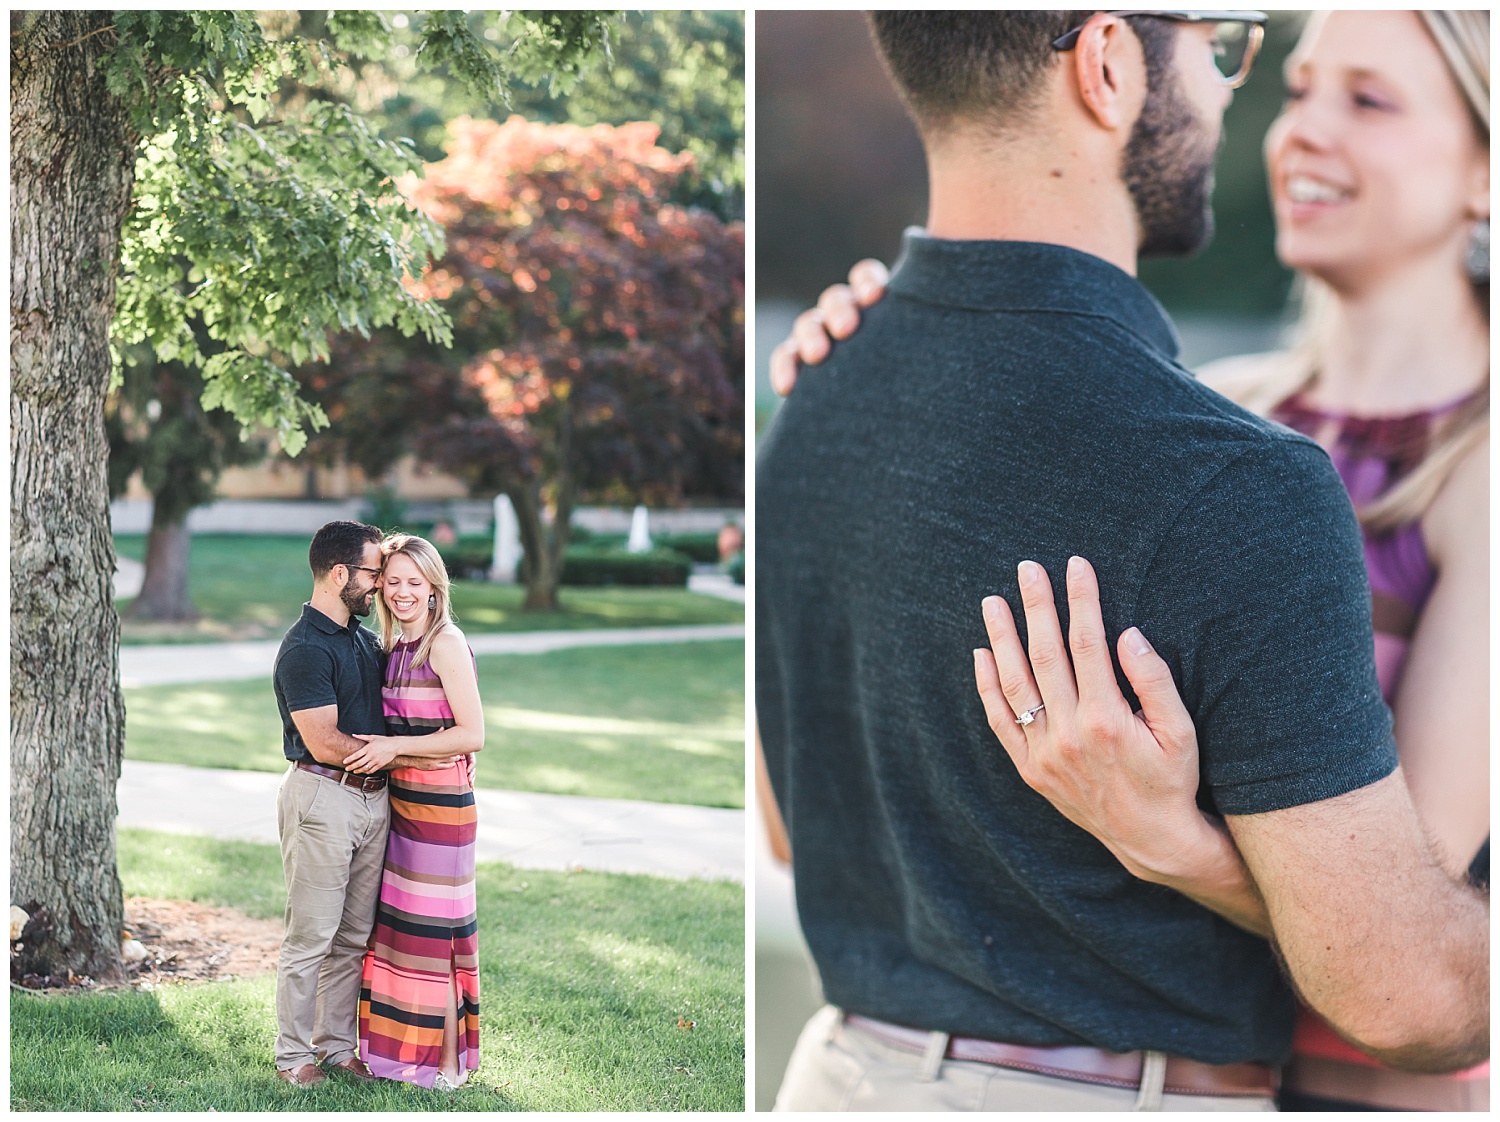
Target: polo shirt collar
x=1012 y=276
x=326 y=625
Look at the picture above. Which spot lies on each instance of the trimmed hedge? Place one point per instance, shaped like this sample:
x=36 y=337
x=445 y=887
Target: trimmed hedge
x=468 y=556
x=591 y=565
x=702 y=547
x=599 y=559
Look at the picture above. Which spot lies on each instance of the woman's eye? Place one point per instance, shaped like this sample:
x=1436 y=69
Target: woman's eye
x=1294 y=93
x=1366 y=101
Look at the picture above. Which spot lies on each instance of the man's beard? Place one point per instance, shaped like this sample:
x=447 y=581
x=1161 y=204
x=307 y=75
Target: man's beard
x=358 y=603
x=1169 y=170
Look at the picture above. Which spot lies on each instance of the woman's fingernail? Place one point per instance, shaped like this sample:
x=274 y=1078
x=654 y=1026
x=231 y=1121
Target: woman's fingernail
x=1075 y=566
x=990 y=605
x=1028 y=571
x=1136 y=643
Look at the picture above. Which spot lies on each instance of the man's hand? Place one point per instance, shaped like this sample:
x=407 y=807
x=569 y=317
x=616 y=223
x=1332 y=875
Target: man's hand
x=376 y=754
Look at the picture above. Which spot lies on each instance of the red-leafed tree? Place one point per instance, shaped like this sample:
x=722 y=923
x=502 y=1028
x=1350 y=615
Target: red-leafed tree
x=601 y=329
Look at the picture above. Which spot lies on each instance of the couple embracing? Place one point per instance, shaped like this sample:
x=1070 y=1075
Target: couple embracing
x=1120 y=911
x=379 y=973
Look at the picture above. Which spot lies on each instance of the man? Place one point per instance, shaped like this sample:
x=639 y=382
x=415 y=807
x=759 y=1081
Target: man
x=333 y=823
x=1014 y=397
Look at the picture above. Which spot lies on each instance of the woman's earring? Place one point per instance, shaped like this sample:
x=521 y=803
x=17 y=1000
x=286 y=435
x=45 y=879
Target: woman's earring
x=1477 y=257
x=431 y=601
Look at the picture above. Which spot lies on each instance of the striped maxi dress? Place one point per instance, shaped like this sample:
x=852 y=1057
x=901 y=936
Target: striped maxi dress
x=425 y=927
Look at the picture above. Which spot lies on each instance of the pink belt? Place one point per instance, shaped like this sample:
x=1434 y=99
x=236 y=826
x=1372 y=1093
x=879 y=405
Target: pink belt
x=1083 y=1064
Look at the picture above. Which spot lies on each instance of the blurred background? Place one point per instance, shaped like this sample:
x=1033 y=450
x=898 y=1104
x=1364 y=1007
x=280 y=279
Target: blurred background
x=839 y=174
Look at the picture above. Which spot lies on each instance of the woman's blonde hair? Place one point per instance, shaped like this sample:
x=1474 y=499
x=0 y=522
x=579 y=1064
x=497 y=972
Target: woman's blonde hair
x=430 y=564
x=1463 y=37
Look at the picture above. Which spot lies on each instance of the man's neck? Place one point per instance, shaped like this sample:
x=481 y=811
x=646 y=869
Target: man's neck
x=1019 y=190
x=331 y=605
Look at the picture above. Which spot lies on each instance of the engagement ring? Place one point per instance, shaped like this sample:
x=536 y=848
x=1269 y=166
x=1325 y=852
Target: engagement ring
x=1030 y=715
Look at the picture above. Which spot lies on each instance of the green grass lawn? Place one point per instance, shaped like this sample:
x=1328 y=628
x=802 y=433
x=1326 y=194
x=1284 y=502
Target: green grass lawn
x=662 y=722
x=583 y=980
x=250 y=587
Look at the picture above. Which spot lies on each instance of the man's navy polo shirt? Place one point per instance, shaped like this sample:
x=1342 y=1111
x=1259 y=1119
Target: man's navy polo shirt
x=321 y=663
x=1010 y=401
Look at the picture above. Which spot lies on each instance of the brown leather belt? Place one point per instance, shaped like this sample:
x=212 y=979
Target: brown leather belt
x=347 y=778
x=1384 y=1087
x=1085 y=1065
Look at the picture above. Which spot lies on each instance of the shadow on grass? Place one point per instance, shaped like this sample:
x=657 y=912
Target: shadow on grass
x=597 y=992
x=180 y=1048
x=659 y=722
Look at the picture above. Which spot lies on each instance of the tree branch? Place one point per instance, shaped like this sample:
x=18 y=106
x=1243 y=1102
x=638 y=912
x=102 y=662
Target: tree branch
x=75 y=42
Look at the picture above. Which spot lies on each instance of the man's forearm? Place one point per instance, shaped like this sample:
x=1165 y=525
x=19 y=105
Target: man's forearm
x=422 y=763
x=1375 y=936
x=1447 y=992
x=332 y=749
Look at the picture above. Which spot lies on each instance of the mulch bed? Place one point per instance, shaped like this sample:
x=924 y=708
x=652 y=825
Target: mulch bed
x=185 y=942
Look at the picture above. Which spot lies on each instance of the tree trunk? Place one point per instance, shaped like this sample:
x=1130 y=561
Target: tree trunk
x=164 y=589
x=543 y=568
x=545 y=551
x=71 y=173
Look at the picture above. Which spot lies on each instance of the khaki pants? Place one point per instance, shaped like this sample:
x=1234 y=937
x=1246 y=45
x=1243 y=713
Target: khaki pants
x=332 y=850
x=838 y=1067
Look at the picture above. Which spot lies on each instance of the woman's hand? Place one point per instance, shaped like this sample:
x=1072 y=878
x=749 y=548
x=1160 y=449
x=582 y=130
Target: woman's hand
x=836 y=316
x=376 y=755
x=1130 y=779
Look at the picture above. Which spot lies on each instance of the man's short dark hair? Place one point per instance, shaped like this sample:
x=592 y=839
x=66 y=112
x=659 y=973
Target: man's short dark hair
x=340 y=543
x=986 y=66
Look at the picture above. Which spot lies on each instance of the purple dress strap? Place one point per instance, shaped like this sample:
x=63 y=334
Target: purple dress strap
x=1372 y=455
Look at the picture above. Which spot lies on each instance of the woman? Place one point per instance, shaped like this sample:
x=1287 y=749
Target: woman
x=419 y=999
x=1379 y=175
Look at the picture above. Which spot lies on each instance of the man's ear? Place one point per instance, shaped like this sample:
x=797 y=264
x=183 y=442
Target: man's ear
x=1110 y=69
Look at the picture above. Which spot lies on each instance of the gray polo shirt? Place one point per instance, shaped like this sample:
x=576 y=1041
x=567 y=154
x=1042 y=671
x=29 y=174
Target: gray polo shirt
x=321 y=663
x=1008 y=401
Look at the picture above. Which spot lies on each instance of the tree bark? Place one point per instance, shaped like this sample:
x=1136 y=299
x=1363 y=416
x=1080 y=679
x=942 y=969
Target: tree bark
x=546 y=551
x=72 y=170
x=164 y=588
x=543 y=569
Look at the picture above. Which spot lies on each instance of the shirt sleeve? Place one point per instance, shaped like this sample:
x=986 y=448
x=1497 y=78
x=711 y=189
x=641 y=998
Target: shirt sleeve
x=305 y=675
x=1264 y=576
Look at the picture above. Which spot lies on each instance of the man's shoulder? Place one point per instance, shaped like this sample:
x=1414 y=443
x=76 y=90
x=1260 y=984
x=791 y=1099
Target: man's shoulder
x=301 y=644
x=300 y=633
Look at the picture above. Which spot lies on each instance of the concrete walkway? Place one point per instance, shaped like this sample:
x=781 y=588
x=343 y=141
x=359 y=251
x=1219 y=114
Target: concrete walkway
x=168 y=663
x=532 y=831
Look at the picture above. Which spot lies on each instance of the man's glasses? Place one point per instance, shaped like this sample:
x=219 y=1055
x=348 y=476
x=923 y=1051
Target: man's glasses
x=363 y=569
x=1237 y=38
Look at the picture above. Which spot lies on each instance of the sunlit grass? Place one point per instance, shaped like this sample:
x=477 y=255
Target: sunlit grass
x=662 y=722
x=250 y=587
x=584 y=981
